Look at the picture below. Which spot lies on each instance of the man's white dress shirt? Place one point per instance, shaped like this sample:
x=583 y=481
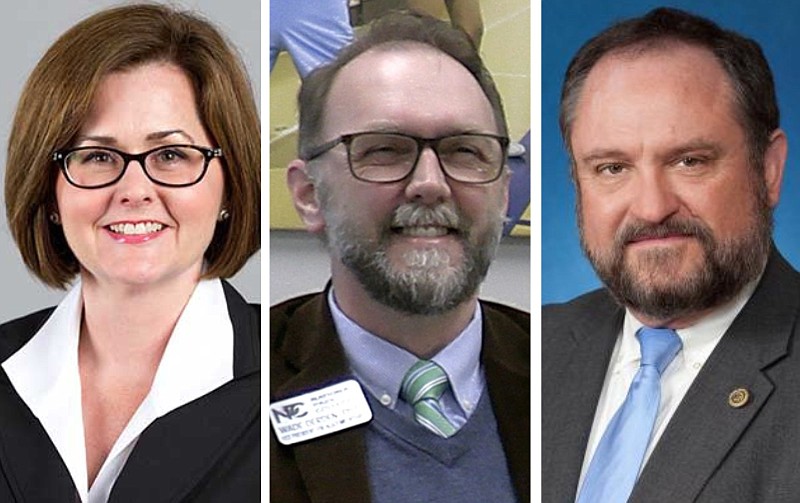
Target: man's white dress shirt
x=699 y=342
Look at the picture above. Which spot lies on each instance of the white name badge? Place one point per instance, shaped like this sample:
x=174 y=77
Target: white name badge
x=319 y=412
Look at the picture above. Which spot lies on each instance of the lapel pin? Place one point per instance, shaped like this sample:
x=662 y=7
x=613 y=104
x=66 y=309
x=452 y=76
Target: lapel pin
x=739 y=398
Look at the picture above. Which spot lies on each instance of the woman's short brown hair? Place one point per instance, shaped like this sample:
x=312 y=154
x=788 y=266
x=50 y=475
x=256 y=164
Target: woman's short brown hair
x=56 y=101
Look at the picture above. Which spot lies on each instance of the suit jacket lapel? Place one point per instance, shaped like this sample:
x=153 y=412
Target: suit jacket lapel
x=246 y=321
x=506 y=351
x=705 y=427
x=576 y=370
x=27 y=456
x=333 y=467
x=177 y=451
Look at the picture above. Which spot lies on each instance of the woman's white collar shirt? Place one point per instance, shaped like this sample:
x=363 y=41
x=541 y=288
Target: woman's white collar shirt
x=197 y=360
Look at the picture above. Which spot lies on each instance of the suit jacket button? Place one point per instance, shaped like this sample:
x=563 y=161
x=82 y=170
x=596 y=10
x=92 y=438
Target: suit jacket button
x=738 y=398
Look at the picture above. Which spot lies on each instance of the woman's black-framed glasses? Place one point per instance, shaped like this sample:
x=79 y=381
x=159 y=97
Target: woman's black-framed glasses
x=169 y=165
x=390 y=157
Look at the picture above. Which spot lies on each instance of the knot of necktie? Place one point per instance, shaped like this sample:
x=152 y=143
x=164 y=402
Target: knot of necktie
x=425 y=379
x=422 y=387
x=658 y=346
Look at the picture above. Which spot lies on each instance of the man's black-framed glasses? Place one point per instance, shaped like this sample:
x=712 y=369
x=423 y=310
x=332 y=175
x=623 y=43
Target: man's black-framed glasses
x=390 y=157
x=169 y=165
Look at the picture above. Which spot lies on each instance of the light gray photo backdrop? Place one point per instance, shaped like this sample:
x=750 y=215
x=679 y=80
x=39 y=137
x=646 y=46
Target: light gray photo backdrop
x=27 y=29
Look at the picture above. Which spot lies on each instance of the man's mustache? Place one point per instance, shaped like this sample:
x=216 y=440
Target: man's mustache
x=414 y=214
x=674 y=226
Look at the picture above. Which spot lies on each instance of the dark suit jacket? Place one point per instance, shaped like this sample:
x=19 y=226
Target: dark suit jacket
x=305 y=353
x=710 y=451
x=205 y=451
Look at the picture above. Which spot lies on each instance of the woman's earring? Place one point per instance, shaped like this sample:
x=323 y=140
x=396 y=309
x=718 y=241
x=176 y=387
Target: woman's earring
x=223 y=215
x=55 y=218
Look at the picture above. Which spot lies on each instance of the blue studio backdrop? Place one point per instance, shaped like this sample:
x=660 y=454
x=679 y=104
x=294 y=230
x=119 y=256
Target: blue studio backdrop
x=566 y=25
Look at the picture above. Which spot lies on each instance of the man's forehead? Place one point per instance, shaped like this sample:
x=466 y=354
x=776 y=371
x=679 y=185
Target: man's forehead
x=690 y=67
x=405 y=56
x=409 y=48
x=407 y=74
x=660 y=49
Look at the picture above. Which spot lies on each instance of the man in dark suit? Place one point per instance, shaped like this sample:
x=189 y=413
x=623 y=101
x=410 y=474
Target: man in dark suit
x=672 y=127
x=396 y=383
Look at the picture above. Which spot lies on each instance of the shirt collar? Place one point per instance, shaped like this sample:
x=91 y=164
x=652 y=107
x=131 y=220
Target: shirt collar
x=198 y=359
x=380 y=365
x=44 y=373
x=698 y=340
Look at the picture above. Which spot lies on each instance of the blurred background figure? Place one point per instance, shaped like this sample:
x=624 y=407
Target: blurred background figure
x=465 y=14
x=311 y=31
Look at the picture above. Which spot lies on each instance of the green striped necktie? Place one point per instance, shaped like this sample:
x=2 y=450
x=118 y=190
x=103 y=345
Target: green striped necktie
x=423 y=385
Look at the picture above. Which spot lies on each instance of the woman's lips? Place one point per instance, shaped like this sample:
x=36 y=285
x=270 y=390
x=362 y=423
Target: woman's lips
x=135 y=232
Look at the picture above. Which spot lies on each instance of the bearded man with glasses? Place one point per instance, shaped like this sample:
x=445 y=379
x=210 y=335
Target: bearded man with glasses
x=396 y=370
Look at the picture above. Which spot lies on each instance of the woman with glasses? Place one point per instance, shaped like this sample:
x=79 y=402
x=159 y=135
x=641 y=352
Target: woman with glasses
x=132 y=179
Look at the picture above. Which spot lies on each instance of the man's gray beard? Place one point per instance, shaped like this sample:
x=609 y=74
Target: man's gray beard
x=727 y=266
x=429 y=284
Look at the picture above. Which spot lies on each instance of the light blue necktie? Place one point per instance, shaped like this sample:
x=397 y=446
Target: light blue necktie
x=616 y=463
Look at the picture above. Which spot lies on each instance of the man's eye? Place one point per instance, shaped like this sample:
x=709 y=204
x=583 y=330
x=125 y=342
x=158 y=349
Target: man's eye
x=691 y=162
x=611 y=169
x=468 y=149
x=382 y=149
x=381 y=153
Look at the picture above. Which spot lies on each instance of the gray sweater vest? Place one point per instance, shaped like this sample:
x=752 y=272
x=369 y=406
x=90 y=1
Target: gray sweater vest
x=409 y=464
